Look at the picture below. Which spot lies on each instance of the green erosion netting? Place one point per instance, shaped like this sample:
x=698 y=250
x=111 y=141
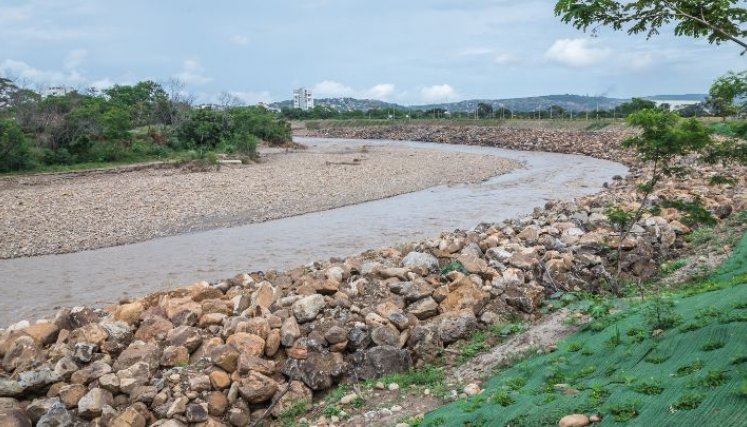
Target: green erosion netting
x=690 y=375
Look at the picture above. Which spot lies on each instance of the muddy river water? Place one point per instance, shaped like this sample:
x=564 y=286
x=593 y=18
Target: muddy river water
x=34 y=287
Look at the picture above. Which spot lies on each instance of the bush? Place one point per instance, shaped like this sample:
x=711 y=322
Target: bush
x=203 y=128
x=15 y=151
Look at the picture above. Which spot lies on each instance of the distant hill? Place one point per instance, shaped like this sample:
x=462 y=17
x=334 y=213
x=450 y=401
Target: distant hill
x=578 y=103
x=345 y=104
x=567 y=102
x=699 y=97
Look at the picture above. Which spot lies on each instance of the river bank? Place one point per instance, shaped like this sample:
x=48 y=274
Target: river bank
x=61 y=213
x=233 y=351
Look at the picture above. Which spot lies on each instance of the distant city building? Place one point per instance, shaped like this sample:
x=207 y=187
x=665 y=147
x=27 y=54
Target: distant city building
x=57 y=91
x=303 y=99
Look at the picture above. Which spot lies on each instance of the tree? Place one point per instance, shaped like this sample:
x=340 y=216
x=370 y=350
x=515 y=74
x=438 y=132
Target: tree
x=15 y=152
x=635 y=105
x=484 y=110
x=664 y=138
x=725 y=90
x=717 y=20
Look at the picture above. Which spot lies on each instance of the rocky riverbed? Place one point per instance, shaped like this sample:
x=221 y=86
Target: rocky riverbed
x=228 y=352
x=45 y=214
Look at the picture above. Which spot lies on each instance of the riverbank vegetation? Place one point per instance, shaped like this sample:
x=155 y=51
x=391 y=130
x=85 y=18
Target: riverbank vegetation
x=124 y=124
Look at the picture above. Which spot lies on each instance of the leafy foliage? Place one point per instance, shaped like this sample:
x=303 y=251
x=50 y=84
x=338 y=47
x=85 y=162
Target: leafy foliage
x=719 y=21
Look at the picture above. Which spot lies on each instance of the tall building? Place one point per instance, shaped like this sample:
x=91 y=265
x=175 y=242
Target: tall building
x=303 y=99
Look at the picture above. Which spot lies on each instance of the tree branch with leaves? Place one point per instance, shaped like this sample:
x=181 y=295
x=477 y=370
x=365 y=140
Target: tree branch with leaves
x=718 y=20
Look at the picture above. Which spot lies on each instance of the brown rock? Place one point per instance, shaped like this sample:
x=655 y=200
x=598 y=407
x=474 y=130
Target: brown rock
x=175 y=356
x=219 y=380
x=129 y=313
x=257 y=388
x=272 y=344
x=130 y=417
x=217 y=404
x=90 y=372
x=70 y=395
x=153 y=328
x=185 y=336
x=424 y=308
x=43 y=333
x=289 y=332
x=248 y=363
x=247 y=343
x=90 y=333
x=463 y=293
x=574 y=420
x=225 y=356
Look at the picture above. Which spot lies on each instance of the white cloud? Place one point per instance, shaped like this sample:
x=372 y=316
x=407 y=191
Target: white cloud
x=639 y=61
x=193 y=73
x=382 y=91
x=24 y=71
x=438 y=93
x=576 y=53
x=476 y=51
x=239 y=40
x=251 y=98
x=333 y=89
x=102 y=84
x=506 y=59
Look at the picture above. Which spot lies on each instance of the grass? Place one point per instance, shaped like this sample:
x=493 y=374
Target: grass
x=691 y=372
x=483 y=340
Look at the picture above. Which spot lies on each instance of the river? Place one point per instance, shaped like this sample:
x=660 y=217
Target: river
x=35 y=287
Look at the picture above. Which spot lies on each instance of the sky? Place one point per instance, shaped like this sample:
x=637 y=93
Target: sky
x=410 y=52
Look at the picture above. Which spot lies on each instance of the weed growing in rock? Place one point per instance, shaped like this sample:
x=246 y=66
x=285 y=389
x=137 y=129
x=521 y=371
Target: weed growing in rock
x=670 y=267
x=454 y=266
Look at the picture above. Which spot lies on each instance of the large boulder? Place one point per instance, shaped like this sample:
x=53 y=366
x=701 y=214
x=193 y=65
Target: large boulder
x=455 y=325
x=420 y=259
x=383 y=360
x=307 y=308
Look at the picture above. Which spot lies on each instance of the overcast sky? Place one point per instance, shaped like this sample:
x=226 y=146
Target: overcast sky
x=414 y=51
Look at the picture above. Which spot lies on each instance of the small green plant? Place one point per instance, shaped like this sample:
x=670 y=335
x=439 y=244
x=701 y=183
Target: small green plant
x=651 y=386
x=713 y=378
x=656 y=358
x=516 y=383
x=587 y=352
x=690 y=368
x=476 y=344
x=503 y=398
x=637 y=335
x=332 y=411
x=575 y=346
x=739 y=359
x=358 y=402
x=688 y=401
x=454 y=266
x=472 y=404
x=713 y=345
x=626 y=411
x=585 y=372
x=598 y=393
x=670 y=267
x=743 y=388
x=614 y=340
x=428 y=376
x=694 y=325
x=289 y=416
x=660 y=314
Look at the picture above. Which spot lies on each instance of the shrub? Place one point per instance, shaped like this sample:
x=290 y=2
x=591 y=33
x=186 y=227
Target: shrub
x=15 y=151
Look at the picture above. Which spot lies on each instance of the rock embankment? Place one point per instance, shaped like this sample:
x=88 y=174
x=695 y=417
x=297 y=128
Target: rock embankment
x=224 y=353
x=600 y=144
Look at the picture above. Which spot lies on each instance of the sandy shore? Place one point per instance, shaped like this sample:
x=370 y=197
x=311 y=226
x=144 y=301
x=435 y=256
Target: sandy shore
x=46 y=214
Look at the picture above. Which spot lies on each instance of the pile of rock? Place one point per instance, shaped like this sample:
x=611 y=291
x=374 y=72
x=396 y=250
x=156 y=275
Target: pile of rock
x=225 y=353
x=600 y=144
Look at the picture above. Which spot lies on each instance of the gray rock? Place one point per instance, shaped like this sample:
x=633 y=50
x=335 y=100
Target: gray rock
x=92 y=404
x=424 y=309
x=457 y=324
x=384 y=360
x=307 y=308
x=57 y=416
x=420 y=259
